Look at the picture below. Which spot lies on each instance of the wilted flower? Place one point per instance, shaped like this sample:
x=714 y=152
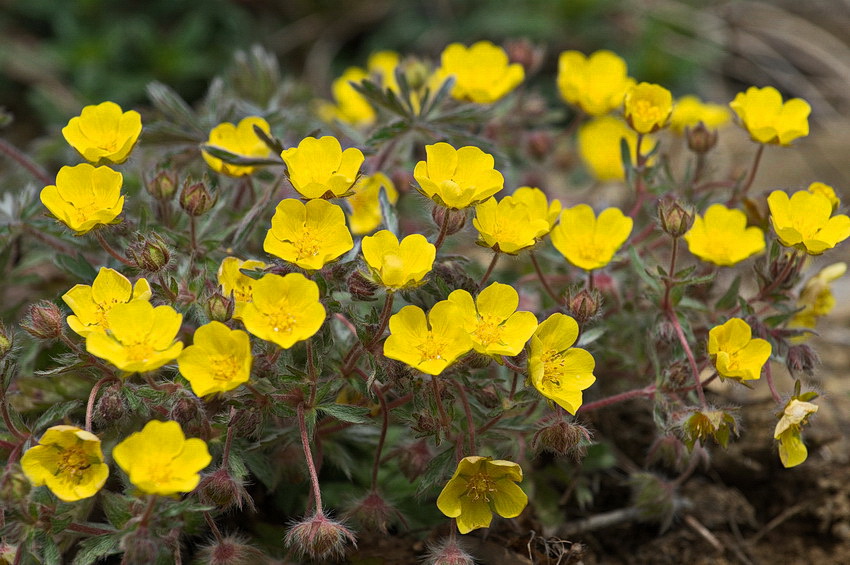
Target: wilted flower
x=397 y=265
x=104 y=133
x=595 y=84
x=736 y=355
x=768 y=119
x=589 y=242
x=69 y=461
x=482 y=72
x=241 y=140
x=457 y=178
x=319 y=168
x=309 y=235
x=218 y=360
x=805 y=221
x=722 y=236
x=479 y=487
x=795 y=415
x=160 y=460
x=85 y=197
x=699 y=425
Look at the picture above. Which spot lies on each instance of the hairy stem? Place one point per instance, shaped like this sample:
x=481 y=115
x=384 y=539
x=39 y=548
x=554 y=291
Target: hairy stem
x=308 y=456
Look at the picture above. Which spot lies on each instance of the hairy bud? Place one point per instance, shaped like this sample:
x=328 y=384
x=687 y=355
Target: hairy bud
x=583 y=305
x=222 y=490
x=448 y=552
x=653 y=498
x=676 y=219
x=43 y=320
x=669 y=452
x=700 y=138
x=188 y=410
x=149 y=252
x=231 y=550
x=801 y=358
x=319 y=537
x=110 y=407
x=524 y=52
x=140 y=547
x=413 y=458
x=360 y=287
x=196 y=199
x=539 y=144
x=563 y=438
x=218 y=307
x=163 y=185
x=373 y=513
x=6 y=341
x=455 y=218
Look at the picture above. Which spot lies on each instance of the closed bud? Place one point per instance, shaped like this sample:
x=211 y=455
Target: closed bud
x=782 y=272
x=583 y=305
x=218 y=307
x=189 y=411
x=6 y=342
x=360 y=287
x=110 y=407
x=417 y=74
x=539 y=145
x=455 y=218
x=222 y=490
x=319 y=537
x=248 y=422
x=563 y=438
x=139 y=547
x=675 y=218
x=426 y=423
x=231 y=550
x=163 y=185
x=670 y=452
x=526 y=53
x=448 y=552
x=413 y=459
x=700 y=138
x=372 y=513
x=196 y=199
x=43 y=320
x=14 y=486
x=801 y=358
x=149 y=253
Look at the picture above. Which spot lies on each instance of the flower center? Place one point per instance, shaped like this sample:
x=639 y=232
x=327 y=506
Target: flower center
x=281 y=322
x=488 y=331
x=646 y=110
x=138 y=351
x=480 y=486
x=431 y=348
x=72 y=462
x=553 y=368
x=224 y=368
x=306 y=246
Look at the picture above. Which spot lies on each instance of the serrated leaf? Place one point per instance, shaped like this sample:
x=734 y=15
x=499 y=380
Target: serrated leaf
x=261 y=467
x=346 y=413
x=55 y=413
x=438 y=468
x=117 y=508
x=93 y=549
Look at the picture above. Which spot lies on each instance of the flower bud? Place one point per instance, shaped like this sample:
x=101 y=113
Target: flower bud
x=319 y=537
x=248 y=422
x=360 y=287
x=196 y=199
x=455 y=218
x=413 y=459
x=670 y=452
x=373 y=513
x=583 y=305
x=539 y=144
x=426 y=423
x=562 y=438
x=6 y=341
x=231 y=550
x=149 y=252
x=675 y=218
x=448 y=552
x=163 y=185
x=188 y=411
x=524 y=52
x=140 y=547
x=110 y=407
x=14 y=486
x=780 y=275
x=43 y=320
x=801 y=359
x=700 y=138
x=223 y=491
x=417 y=74
x=218 y=307
x=653 y=498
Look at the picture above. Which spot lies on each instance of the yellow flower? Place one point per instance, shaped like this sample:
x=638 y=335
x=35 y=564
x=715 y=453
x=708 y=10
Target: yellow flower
x=556 y=369
x=140 y=337
x=284 y=309
x=767 y=119
x=231 y=280
x=535 y=200
x=825 y=190
x=104 y=133
x=457 y=178
x=351 y=106
x=804 y=221
x=319 y=168
x=91 y=304
x=508 y=226
x=792 y=450
x=816 y=298
x=69 y=461
x=599 y=147
x=218 y=360
x=160 y=460
x=309 y=235
x=690 y=110
x=382 y=65
x=492 y=321
x=596 y=84
x=479 y=487
x=85 y=196
x=589 y=242
x=722 y=237
x=429 y=345
x=483 y=73
x=239 y=139
x=397 y=265
x=648 y=107
x=735 y=354
x=365 y=213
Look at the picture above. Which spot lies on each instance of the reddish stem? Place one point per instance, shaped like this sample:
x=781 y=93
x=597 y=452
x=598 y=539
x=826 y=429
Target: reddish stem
x=16 y=155
x=645 y=392
x=543 y=281
x=106 y=247
x=385 y=422
x=470 y=425
x=93 y=399
x=308 y=455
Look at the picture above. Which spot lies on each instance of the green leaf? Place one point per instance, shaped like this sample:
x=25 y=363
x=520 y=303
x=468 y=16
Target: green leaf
x=173 y=107
x=117 y=508
x=388 y=212
x=77 y=266
x=730 y=296
x=438 y=468
x=261 y=467
x=96 y=548
x=56 y=412
x=235 y=158
x=346 y=413
x=640 y=268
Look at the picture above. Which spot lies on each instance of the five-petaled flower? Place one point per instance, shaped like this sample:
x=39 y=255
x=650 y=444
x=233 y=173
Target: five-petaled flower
x=428 y=344
x=85 y=197
x=309 y=235
x=647 y=107
x=218 y=360
x=769 y=120
x=240 y=139
x=91 y=304
x=736 y=355
x=284 y=309
x=141 y=337
x=595 y=84
x=558 y=370
x=69 y=461
x=482 y=72
x=160 y=460
x=722 y=236
x=600 y=147
x=319 y=168
x=816 y=298
x=479 y=487
x=589 y=242
x=805 y=221
x=365 y=203
x=398 y=265
x=457 y=178
x=104 y=133
x=792 y=450
x=825 y=190
x=509 y=225
x=233 y=281
x=492 y=319
x=688 y=111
